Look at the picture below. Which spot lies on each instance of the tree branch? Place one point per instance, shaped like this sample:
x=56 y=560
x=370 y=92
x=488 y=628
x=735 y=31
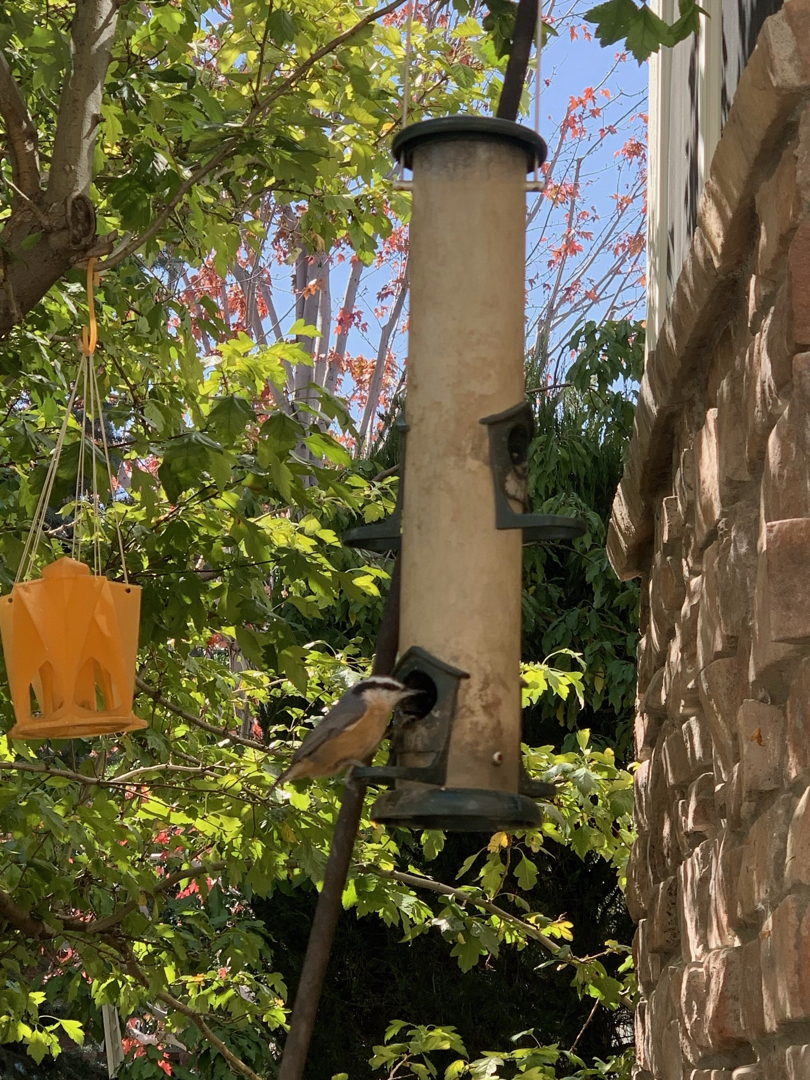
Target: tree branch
x=192 y=719
x=344 y=324
x=35 y=928
x=248 y=283
x=21 y=132
x=197 y=1018
x=92 y=36
x=37 y=257
x=98 y=781
x=417 y=882
x=22 y=920
x=101 y=926
x=229 y=145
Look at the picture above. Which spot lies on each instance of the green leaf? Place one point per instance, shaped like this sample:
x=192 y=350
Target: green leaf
x=184 y=460
x=581 y=840
x=466 y=866
x=229 y=417
x=324 y=446
x=467 y=951
x=642 y=30
x=614 y=20
x=281 y=26
x=432 y=843
x=74 y=1030
x=648 y=33
x=526 y=874
x=301 y=329
x=393 y=1029
x=281 y=433
x=689 y=21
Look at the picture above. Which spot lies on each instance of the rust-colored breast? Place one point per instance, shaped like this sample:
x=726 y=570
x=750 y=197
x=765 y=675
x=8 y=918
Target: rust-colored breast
x=355 y=743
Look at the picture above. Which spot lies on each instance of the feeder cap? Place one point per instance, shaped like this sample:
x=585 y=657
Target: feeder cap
x=448 y=128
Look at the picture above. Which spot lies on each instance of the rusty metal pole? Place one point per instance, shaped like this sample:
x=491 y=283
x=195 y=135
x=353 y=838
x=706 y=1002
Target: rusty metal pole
x=319 y=947
x=518 y=63
x=327 y=912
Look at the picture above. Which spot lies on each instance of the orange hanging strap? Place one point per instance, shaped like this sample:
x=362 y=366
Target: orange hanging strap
x=90 y=336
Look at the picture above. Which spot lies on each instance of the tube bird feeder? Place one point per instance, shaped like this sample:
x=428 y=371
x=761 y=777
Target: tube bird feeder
x=457 y=764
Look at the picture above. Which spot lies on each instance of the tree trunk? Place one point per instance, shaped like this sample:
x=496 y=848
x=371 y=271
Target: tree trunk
x=376 y=385
x=51 y=230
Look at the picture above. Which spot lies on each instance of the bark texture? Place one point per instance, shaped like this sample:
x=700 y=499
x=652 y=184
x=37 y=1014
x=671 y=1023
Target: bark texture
x=52 y=226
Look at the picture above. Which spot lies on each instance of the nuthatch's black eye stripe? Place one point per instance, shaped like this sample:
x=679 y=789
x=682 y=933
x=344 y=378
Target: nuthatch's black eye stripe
x=378 y=682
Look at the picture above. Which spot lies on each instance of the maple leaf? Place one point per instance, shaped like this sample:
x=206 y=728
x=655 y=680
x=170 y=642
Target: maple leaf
x=643 y=31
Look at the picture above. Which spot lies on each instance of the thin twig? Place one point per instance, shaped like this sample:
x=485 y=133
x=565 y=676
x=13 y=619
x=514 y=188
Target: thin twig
x=32 y=206
x=584 y=1026
x=393 y=471
x=156 y=695
x=417 y=882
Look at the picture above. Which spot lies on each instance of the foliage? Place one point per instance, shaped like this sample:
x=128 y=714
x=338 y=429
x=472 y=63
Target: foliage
x=640 y=28
x=411 y=1055
x=573 y=600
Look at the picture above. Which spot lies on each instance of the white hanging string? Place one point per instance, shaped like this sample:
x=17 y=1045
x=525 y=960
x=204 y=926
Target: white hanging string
x=93 y=413
x=96 y=519
x=38 y=521
x=106 y=447
x=76 y=544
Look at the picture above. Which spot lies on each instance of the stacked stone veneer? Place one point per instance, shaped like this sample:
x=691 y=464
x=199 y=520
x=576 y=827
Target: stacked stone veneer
x=714 y=514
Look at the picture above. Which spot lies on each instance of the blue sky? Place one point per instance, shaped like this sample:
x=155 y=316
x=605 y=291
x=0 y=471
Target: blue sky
x=568 y=66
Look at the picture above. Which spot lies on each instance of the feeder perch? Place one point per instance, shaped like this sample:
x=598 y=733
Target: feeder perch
x=70 y=641
x=456 y=764
x=510 y=434
x=420 y=741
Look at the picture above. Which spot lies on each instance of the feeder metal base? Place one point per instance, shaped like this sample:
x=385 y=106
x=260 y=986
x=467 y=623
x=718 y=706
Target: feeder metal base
x=456 y=809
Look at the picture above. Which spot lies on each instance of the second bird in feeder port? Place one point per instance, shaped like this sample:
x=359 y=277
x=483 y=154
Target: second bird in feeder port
x=464 y=520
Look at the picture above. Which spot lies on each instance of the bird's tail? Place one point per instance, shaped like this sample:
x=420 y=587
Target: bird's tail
x=280 y=779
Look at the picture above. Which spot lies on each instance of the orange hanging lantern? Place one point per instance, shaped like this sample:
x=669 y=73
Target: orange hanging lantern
x=71 y=639
x=71 y=642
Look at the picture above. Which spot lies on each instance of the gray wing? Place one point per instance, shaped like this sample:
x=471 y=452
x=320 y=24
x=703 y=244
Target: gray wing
x=344 y=715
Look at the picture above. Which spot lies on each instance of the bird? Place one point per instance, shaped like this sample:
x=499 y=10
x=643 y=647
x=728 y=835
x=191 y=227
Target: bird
x=350 y=732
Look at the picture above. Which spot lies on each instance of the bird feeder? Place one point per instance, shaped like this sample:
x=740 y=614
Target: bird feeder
x=457 y=764
x=70 y=641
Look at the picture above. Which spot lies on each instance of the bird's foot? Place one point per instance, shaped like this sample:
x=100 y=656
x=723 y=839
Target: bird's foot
x=351 y=765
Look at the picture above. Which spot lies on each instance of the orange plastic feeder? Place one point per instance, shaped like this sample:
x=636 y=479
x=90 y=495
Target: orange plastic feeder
x=70 y=642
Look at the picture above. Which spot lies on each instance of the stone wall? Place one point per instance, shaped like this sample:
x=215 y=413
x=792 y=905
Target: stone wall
x=714 y=514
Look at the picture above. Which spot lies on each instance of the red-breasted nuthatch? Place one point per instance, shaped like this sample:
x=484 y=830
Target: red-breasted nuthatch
x=351 y=731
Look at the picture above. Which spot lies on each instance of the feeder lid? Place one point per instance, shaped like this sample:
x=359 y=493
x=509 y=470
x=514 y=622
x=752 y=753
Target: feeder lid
x=465 y=126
